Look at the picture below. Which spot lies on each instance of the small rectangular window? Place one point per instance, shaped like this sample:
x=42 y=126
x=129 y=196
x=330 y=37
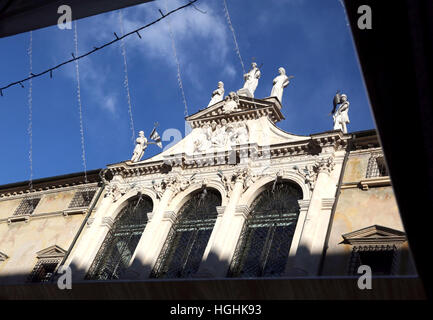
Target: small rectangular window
x=376 y=167
x=378 y=258
x=27 y=206
x=82 y=199
x=44 y=270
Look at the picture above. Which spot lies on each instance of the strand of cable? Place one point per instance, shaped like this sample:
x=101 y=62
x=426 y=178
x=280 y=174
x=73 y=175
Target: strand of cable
x=74 y=57
x=80 y=107
x=30 y=106
x=229 y=22
x=345 y=14
x=179 y=77
x=126 y=80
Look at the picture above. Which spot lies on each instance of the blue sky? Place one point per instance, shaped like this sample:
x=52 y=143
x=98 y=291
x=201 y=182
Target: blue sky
x=309 y=38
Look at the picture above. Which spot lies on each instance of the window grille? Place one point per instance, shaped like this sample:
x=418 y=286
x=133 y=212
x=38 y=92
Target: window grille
x=27 y=206
x=82 y=198
x=186 y=242
x=376 y=166
x=44 y=270
x=380 y=258
x=265 y=240
x=119 y=245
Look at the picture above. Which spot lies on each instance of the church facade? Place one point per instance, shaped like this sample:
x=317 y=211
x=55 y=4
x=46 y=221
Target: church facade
x=237 y=209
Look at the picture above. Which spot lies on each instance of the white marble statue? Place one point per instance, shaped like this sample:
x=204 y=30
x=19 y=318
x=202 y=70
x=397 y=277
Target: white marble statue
x=280 y=82
x=218 y=94
x=341 y=115
x=231 y=103
x=140 y=147
x=251 y=80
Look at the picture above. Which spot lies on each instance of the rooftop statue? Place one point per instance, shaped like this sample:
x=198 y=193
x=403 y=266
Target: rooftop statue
x=340 y=114
x=218 y=94
x=231 y=103
x=280 y=82
x=251 y=81
x=141 y=144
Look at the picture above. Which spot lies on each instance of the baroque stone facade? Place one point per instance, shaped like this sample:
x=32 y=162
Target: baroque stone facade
x=234 y=158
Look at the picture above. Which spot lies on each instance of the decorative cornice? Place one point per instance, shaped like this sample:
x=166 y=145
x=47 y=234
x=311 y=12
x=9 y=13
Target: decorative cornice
x=374 y=235
x=375 y=182
x=248 y=109
x=53 y=251
x=39 y=192
x=49 y=184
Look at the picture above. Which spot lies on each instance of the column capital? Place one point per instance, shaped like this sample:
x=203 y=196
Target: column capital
x=304 y=204
x=169 y=216
x=107 y=222
x=220 y=210
x=325 y=165
x=242 y=210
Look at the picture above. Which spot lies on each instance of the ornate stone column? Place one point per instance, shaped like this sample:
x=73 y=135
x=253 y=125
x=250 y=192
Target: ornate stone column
x=224 y=238
x=312 y=238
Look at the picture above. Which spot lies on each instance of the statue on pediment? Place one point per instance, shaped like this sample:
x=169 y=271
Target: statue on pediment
x=218 y=94
x=231 y=103
x=140 y=147
x=279 y=83
x=251 y=81
x=141 y=143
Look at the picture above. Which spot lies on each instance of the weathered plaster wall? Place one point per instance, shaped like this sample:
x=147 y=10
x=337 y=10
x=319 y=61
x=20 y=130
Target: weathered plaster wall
x=20 y=241
x=357 y=209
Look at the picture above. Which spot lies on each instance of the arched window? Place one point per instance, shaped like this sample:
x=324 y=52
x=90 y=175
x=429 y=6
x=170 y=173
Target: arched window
x=264 y=244
x=183 y=249
x=119 y=245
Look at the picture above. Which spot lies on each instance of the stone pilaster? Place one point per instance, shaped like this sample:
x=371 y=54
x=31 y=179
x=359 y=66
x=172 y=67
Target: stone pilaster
x=312 y=238
x=153 y=237
x=225 y=235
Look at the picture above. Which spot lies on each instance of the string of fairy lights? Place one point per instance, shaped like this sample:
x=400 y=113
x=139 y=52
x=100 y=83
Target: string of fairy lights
x=95 y=49
x=126 y=79
x=76 y=57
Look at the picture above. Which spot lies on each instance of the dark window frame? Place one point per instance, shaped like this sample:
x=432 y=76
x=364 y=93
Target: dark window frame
x=188 y=237
x=274 y=225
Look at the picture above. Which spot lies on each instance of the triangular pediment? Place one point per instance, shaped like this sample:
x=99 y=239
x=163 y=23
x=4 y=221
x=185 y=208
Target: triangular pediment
x=51 y=252
x=374 y=234
x=245 y=109
x=3 y=256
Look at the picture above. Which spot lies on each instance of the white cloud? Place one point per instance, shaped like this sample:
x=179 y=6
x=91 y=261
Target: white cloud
x=189 y=27
x=229 y=70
